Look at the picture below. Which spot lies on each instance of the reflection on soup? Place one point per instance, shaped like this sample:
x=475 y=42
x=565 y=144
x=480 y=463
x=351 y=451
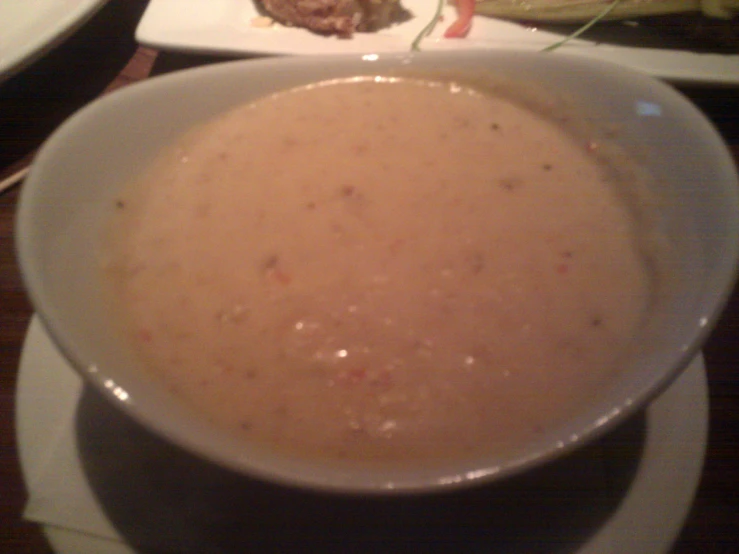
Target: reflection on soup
x=380 y=270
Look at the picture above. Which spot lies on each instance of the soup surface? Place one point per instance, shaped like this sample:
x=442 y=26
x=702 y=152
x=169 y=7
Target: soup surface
x=379 y=270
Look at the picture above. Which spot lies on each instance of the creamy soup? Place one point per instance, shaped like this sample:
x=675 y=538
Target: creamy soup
x=379 y=270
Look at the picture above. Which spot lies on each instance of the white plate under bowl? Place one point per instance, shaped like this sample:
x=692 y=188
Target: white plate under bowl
x=28 y=28
x=646 y=521
x=225 y=27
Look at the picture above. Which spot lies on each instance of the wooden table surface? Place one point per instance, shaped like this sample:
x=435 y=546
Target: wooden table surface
x=103 y=56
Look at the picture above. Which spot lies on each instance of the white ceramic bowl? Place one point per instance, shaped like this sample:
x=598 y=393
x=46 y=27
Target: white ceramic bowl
x=80 y=168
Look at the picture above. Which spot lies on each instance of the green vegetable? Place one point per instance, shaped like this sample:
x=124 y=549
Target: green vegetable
x=415 y=45
x=602 y=15
x=588 y=12
x=577 y=11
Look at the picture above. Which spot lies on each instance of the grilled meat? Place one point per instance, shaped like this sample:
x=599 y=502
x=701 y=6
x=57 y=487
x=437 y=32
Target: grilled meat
x=336 y=17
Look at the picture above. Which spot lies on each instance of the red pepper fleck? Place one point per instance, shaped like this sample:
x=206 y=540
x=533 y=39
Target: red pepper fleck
x=463 y=23
x=396 y=245
x=383 y=378
x=226 y=368
x=280 y=276
x=352 y=376
x=274 y=271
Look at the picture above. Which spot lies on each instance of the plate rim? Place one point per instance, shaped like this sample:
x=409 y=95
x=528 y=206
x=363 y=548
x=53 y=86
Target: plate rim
x=668 y=64
x=693 y=382
x=55 y=34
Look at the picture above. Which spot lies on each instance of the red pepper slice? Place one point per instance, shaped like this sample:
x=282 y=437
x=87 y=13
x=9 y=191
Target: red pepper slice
x=463 y=24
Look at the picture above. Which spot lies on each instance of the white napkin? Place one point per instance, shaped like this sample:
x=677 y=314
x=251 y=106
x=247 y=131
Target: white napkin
x=62 y=496
x=165 y=499
x=48 y=391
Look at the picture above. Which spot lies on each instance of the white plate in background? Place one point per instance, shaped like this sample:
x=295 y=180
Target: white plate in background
x=225 y=27
x=29 y=28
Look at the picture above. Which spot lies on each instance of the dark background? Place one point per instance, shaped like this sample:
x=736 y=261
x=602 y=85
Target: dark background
x=102 y=56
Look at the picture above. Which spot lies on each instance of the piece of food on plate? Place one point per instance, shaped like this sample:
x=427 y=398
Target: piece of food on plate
x=708 y=24
x=575 y=11
x=335 y=17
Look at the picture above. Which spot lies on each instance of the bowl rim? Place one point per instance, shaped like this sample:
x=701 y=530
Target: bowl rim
x=462 y=479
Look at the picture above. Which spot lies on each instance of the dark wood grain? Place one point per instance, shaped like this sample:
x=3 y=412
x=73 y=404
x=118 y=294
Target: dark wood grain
x=101 y=57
